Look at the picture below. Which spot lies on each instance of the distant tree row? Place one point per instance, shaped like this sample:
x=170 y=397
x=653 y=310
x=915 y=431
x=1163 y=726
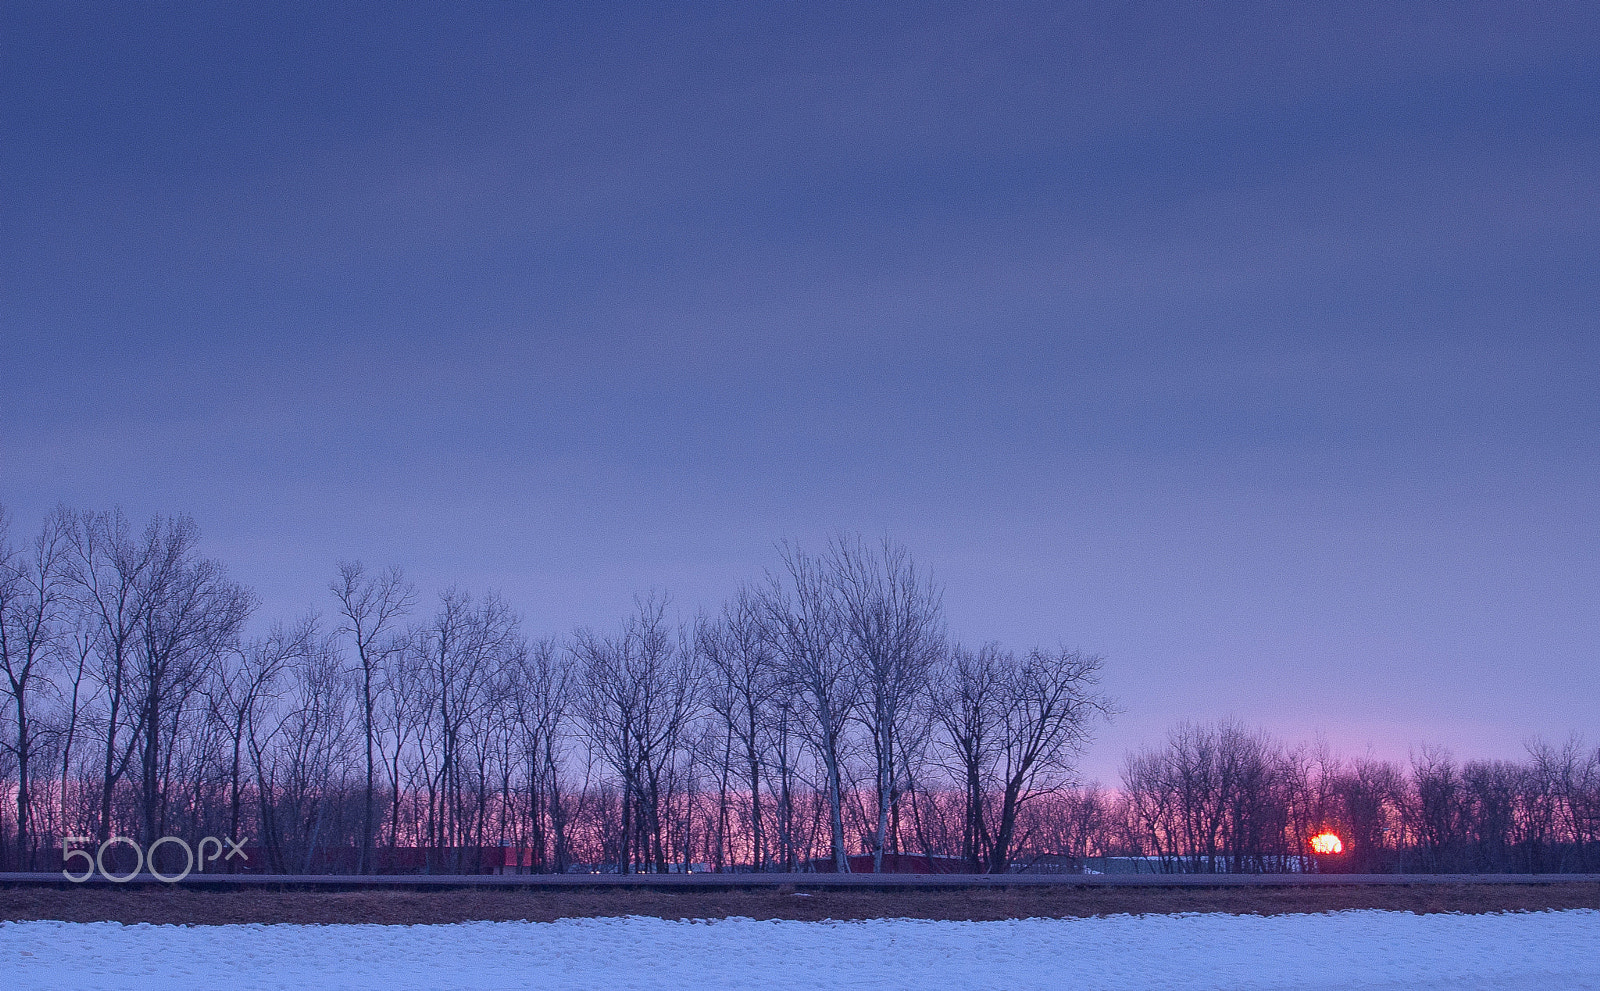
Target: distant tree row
x=822 y=713
x=1222 y=798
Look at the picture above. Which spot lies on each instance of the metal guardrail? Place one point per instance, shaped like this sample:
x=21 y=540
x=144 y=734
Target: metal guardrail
x=726 y=882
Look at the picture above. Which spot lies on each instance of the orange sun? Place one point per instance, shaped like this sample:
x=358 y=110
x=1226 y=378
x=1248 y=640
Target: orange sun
x=1326 y=843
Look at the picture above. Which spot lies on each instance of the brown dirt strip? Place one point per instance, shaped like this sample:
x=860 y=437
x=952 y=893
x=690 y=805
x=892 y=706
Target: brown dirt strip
x=199 y=907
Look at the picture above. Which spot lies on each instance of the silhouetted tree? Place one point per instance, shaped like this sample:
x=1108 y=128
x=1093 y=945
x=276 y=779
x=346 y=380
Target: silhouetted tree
x=370 y=606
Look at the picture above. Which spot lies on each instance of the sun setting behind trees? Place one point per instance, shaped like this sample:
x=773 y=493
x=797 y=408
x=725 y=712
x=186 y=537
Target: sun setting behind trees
x=822 y=718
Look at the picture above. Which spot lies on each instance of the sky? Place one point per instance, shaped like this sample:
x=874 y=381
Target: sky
x=1255 y=347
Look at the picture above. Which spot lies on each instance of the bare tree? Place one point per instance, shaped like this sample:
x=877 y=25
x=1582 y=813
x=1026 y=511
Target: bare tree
x=1491 y=811
x=541 y=692
x=1050 y=700
x=781 y=744
x=893 y=633
x=370 y=606
x=78 y=694
x=1436 y=810
x=1569 y=780
x=968 y=702
x=159 y=614
x=32 y=601
x=1369 y=796
x=468 y=642
x=239 y=693
x=1224 y=798
x=746 y=682
x=801 y=614
x=1014 y=729
x=401 y=721
x=109 y=568
x=637 y=695
x=302 y=755
x=192 y=615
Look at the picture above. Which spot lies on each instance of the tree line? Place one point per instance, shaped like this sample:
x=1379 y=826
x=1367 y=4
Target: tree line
x=1225 y=798
x=822 y=713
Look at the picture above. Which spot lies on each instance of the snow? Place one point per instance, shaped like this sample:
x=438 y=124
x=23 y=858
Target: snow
x=1365 y=949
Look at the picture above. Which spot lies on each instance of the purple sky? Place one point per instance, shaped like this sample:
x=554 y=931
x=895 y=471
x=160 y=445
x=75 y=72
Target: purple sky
x=1253 y=346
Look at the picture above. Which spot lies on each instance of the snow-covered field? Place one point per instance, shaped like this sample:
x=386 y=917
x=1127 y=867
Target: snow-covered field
x=1369 y=949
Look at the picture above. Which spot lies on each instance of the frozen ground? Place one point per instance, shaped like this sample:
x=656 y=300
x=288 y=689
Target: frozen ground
x=1368 y=949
